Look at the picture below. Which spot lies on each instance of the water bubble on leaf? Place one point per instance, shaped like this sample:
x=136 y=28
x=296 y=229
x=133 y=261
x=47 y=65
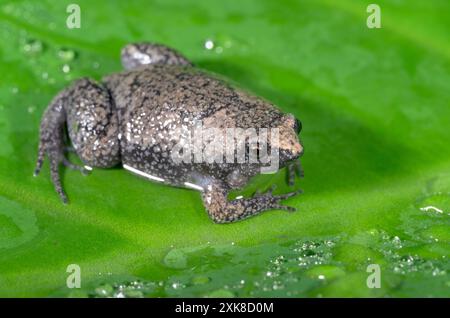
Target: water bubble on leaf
x=200 y=280
x=177 y=285
x=15 y=90
x=277 y=285
x=31 y=109
x=175 y=259
x=397 y=242
x=209 y=44
x=104 y=290
x=66 y=55
x=438 y=272
x=33 y=47
x=66 y=68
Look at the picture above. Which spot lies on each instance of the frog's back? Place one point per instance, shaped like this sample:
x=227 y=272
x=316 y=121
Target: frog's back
x=158 y=104
x=184 y=91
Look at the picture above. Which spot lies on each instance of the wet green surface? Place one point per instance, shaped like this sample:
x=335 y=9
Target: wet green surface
x=375 y=110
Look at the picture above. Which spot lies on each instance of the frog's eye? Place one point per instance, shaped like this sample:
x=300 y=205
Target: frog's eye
x=297 y=126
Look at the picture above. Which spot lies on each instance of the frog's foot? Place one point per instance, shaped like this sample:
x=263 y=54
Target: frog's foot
x=144 y=53
x=294 y=169
x=51 y=144
x=221 y=210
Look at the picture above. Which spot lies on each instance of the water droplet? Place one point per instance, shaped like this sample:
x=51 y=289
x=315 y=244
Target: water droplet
x=66 y=55
x=33 y=47
x=15 y=90
x=397 y=242
x=176 y=259
x=66 y=68
x=31 y=109
x=177 y=285
x=200 y=280
x=209 y=44
x=104 y=290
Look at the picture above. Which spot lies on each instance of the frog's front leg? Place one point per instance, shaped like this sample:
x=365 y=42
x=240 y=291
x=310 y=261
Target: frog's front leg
x=86 y=112
x=221 y=210
x=144 y=53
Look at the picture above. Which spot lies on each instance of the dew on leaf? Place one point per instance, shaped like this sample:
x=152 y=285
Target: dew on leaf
x=176 y=259
x=33 y=47
x=200 y=280
x=104 y=290
x=66 y=55
x=209 y=44
x=66 y=68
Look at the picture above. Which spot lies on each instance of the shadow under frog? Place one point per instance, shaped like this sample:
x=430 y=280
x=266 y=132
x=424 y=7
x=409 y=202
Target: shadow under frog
x=134 y=118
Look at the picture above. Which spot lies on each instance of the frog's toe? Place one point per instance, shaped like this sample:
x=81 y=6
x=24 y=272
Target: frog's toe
x=271 y=201
x=39 y=162
x=291 y=174
x=73 y=166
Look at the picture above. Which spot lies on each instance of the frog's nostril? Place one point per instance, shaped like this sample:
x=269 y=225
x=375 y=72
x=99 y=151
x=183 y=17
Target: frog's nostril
x=297 y=126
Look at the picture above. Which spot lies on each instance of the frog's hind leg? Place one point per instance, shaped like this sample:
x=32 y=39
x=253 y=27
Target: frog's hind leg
x=51 y=143
x=86 y=112
x=144 y=53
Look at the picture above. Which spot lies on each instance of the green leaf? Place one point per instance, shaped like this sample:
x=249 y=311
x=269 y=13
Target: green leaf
x=374 y=104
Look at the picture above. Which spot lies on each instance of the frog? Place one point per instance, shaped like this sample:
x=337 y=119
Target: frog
x=133 y=119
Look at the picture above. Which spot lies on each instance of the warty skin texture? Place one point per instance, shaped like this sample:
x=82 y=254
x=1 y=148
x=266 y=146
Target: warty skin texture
x=137 y=117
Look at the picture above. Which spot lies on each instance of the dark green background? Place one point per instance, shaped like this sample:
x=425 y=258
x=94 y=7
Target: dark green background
x=376 y=115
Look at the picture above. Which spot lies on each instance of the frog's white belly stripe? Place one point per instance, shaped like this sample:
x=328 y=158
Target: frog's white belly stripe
x=193 y=186
x=154 y=178
x=141 y=173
